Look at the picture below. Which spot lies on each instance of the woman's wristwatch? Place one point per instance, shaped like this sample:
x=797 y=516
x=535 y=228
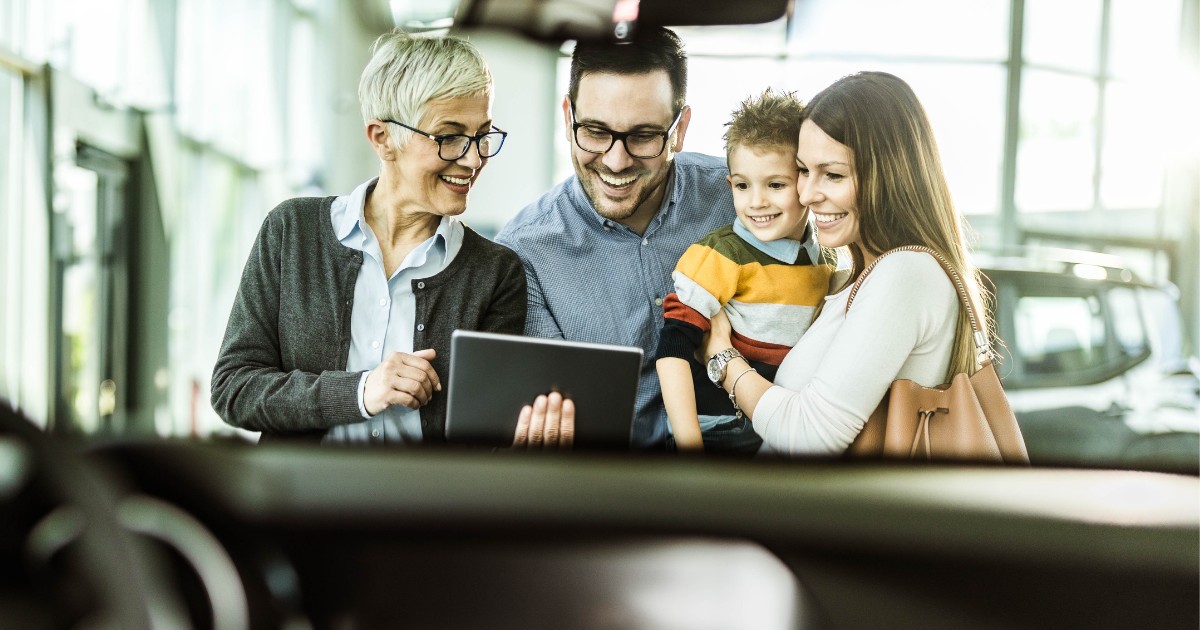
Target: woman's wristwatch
x=719 y=363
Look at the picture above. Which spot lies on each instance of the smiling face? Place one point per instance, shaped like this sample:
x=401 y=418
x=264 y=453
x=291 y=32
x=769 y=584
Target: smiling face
x=764 y=193
x=827 y=185
x=623 y=188
x=421 y=181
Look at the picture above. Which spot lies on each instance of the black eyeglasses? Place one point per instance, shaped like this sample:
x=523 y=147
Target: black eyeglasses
x=452 y=146
x=639 y=144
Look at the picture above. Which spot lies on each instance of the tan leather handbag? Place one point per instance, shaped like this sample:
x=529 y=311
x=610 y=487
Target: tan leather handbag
x=967 y=419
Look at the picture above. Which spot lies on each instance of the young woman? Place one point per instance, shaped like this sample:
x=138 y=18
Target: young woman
x=871 y=177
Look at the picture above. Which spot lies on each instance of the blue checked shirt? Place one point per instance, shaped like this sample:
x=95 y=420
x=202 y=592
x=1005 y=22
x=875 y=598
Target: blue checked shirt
x=592 y=279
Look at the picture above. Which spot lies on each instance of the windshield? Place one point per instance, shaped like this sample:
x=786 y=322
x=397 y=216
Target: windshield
x=144 y=147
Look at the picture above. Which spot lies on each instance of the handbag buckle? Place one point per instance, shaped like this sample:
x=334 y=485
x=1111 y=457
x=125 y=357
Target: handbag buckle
x=983 y=348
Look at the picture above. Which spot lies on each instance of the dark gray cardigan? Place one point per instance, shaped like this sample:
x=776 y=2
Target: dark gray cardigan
x=282 y=366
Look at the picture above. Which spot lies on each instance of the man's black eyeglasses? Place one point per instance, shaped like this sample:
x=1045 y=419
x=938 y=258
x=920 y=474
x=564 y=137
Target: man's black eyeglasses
x=639 y=144
x=452 y=146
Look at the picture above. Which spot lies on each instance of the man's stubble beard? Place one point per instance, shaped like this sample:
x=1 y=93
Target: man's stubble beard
x=603 y=205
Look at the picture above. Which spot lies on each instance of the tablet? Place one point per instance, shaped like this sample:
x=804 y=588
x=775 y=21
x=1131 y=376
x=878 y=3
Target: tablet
x=493 y=375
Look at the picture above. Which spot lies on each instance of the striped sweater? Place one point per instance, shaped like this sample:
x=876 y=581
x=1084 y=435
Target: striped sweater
x=769 y=291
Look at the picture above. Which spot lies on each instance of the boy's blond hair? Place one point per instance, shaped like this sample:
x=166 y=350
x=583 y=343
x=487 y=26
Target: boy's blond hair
x=768 y=121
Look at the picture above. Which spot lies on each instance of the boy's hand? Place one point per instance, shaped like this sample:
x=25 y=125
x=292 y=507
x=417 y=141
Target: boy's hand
x=719 y=335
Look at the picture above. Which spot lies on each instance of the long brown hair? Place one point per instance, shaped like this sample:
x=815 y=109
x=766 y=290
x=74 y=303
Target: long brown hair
x=902 y=198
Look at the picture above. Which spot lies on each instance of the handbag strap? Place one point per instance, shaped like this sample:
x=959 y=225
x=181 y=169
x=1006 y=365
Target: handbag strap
x=980 y=336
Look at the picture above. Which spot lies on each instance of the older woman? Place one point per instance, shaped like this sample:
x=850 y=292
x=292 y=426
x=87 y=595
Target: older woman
x=341 y=326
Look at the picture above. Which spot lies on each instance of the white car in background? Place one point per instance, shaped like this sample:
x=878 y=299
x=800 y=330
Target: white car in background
x=1093 y=361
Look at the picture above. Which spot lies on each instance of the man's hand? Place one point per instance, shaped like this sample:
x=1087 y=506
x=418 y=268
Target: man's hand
x=548 y=424
x=402 y=379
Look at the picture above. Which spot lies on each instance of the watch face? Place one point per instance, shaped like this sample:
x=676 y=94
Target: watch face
x=714 y=369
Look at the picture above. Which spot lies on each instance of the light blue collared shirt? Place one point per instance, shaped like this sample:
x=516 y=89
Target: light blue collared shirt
x=785 y=249
x=384 y=311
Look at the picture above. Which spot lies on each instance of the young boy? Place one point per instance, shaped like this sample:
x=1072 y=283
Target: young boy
x=766 y=272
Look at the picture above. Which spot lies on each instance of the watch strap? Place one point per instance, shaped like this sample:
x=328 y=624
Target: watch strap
x=722 y=360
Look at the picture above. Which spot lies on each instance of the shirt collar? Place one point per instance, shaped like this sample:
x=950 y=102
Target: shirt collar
x=785 y=249
x=448 y=232
x=356 y=203
x=446 y=227
x=437 y=245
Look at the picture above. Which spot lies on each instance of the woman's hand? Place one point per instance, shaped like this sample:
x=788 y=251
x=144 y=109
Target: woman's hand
x=402 y=379
x=547 y=424
x=718 y=337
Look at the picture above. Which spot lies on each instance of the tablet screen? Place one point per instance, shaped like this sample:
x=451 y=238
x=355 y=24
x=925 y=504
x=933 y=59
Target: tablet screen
x=493 y=375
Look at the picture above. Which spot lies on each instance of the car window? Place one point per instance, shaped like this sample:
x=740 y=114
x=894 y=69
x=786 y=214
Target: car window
x=1059 y=334
x=1166 y=328
x=1061 y=331
x=1128 y=327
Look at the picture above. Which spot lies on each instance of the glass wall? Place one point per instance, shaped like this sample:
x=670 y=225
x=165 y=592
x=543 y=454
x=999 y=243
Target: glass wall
x=213 y=108
x=24 y=233
x=959 y=74
x=1089 y=108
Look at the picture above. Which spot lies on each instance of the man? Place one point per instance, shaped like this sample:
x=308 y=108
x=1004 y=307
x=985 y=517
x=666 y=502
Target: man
x=599 y=248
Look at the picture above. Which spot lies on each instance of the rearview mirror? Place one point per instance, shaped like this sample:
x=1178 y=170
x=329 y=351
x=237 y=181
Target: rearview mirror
x=616 y=20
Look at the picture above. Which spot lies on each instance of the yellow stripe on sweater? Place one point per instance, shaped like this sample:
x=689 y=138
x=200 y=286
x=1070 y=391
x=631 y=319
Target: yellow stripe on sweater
x=802 y=285
x=719 y=273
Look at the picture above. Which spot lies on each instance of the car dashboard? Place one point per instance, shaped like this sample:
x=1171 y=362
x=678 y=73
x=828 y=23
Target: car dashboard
x=289 y=536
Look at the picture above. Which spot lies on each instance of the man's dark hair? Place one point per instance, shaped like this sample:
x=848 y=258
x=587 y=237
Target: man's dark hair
x=652 y=49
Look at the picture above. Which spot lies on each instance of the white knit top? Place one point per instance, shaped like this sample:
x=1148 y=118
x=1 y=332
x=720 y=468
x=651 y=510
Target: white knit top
x=901 y=325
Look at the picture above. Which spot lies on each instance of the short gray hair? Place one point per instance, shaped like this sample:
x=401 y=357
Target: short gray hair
x=407 y=71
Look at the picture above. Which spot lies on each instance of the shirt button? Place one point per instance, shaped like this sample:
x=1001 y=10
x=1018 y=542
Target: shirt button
x=658 y=301
x=382 y=301
x=420 y=285
x=374 y=345
x=375 y=433
x=645 y=241
x=420 y=327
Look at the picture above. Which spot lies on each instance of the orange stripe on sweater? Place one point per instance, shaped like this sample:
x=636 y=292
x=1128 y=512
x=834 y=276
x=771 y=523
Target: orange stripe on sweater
x=674 y=309
x=754 y=350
